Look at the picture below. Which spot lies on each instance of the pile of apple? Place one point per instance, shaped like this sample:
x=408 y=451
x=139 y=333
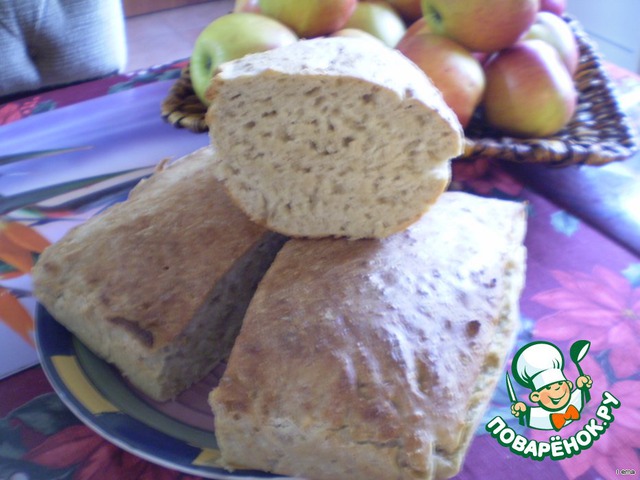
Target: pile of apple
x=513 y=59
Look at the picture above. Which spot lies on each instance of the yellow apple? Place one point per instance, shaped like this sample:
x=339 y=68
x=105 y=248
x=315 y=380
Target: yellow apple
x=451 y=68
x=354 y=33
x=529 y=92
x=310 y=18
x=380 y=20
x=557 y=33
x=481 y=25
x=419 y=26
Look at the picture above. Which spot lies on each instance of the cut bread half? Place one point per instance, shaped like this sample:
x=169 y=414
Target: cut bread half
x=331 y=137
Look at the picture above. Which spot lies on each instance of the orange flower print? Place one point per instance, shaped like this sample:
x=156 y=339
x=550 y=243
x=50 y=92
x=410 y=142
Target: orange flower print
x=14 y=111
x=15 y=316
x=18 y=243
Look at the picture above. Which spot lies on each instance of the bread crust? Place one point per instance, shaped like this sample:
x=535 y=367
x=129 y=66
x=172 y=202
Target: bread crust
x=375 y=359
x=137 y=282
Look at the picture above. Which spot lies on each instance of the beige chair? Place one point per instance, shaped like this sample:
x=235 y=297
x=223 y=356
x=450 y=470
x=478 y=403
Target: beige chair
x=50 y=43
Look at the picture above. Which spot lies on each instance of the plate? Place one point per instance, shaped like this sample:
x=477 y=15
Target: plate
x=177 y=434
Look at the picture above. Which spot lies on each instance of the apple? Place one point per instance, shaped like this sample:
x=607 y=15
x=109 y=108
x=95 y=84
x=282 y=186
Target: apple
x=380 y=20
x=409 y=10
x=419 y=26
x=529 y=92
x=354 y=33
x=310 y=18
x=557 y=33
x=232 y=36
x=451 y=68
x=246 y=6
x=554 y=6
x=481 y=25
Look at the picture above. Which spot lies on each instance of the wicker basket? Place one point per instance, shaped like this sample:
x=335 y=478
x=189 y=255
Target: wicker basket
x=598 y=134
x=182 y=108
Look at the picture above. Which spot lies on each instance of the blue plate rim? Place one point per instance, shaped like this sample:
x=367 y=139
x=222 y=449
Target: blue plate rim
x=121 y=429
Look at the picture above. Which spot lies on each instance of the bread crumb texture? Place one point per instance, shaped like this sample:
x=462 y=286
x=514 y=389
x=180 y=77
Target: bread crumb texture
x=331 y=137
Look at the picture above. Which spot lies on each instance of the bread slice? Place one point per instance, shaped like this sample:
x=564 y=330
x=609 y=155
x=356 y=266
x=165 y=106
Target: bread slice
x=331 y=137
x=158 y=285
x=375 y=359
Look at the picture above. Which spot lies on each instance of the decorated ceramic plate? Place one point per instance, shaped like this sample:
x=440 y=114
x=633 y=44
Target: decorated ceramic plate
x=177 y=434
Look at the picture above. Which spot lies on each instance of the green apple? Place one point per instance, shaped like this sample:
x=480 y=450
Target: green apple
x=556 y=32
x=380 y=20
x=310 y=18
x=481 y=25
x=233 y=36
x=451 y=68
x=529 y=92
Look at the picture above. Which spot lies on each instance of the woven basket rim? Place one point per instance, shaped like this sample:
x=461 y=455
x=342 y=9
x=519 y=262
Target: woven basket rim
x=182 y=108
x=599 y=133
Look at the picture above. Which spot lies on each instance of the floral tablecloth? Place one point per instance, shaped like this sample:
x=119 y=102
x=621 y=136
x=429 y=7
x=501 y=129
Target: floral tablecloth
x=69 y=153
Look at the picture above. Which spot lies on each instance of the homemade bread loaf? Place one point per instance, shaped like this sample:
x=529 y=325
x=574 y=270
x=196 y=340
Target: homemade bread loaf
x=331 y=137
x=158 y=284
x=375 y=359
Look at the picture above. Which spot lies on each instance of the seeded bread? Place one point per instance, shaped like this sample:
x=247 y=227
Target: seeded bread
x=331 y=137
x=375 y=359
x=158 y=285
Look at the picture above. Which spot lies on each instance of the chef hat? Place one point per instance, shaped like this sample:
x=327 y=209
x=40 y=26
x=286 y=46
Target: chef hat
x=538 y=364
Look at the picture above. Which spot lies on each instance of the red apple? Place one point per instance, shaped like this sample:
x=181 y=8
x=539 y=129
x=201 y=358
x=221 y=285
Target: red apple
x=452 y=69
x=233 y=36
x=409 y=10
x=419 y=26
x=529 y=92
x=310 y=18
x=380 y=20
x=554 y=6
x=557 y=33
x=481 y=25
x=246 y=6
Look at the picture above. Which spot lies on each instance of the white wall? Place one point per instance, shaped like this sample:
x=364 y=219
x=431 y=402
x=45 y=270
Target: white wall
x=614 y=26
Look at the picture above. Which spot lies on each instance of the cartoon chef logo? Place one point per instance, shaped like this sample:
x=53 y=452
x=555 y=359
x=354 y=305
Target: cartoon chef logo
x=539 y=367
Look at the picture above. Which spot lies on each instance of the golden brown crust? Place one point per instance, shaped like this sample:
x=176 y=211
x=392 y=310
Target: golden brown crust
x=152 y=261
x=158 y=285
x=375 y=358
